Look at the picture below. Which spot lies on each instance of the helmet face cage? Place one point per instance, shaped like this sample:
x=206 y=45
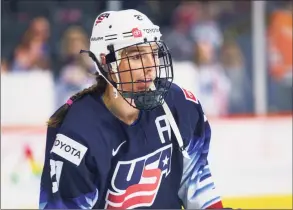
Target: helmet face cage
x=147 y=98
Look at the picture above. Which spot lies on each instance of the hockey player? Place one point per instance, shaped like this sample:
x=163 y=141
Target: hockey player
x=134 y=139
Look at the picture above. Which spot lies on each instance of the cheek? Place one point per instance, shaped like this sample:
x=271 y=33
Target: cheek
x=124 y=76
x=127 y=76
x=129 y=73
x=124 y=67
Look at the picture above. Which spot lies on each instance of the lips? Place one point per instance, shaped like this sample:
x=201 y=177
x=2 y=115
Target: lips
x=142 y=84
x=144 y=80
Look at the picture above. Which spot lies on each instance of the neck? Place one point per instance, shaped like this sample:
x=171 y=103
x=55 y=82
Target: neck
x=119 y=107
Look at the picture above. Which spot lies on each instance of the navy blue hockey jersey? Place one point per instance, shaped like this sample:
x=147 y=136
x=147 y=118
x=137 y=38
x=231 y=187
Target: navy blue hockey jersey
x=94 y=160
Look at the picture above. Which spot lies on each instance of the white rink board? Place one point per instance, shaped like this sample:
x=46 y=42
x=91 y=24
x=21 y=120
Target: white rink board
x=27 y=98
x=252 y=156
x=247 y=157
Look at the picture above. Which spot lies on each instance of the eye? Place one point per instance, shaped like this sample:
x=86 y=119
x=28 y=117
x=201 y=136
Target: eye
x=135 y=57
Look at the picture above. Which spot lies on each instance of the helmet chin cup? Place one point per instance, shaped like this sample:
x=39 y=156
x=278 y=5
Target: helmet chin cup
x=151 y=99
x=145 y=101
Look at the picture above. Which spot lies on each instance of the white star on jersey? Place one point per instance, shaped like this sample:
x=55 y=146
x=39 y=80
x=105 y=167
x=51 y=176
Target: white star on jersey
x=165 y=161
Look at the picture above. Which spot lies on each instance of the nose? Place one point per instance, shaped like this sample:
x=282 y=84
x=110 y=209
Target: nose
x=150 y=63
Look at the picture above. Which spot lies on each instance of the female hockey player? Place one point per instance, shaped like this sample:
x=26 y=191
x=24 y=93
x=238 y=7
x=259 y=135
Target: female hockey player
x=134 y=139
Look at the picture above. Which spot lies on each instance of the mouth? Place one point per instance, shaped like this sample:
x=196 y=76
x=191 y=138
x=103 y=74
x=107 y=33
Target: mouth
x=147 y=80
x=143 y=84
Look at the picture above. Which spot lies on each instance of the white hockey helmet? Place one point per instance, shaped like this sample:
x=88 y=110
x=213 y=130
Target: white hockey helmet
x=114 y=31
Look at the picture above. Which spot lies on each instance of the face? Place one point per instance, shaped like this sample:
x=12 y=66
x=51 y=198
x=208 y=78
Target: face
x=205 y=52
x=137 y=69
x=41 y=28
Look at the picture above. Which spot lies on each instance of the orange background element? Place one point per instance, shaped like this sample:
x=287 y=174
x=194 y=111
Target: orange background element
x=280 y=42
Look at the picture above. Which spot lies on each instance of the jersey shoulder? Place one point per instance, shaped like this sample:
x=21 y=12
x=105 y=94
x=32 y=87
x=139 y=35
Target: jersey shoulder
x=180 y=97
x=84 y=121
x=82 y=115
x=186 y=109
x=81 y=132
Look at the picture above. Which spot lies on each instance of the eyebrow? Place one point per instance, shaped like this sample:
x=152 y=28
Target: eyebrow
x=133 y=50
x=136 y=49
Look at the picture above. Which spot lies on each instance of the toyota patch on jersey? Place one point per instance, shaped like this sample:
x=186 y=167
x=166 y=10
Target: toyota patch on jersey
x=69 y=149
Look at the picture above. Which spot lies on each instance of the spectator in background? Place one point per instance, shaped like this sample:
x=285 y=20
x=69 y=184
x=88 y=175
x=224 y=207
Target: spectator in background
x=232 y=61
x=76 y=67
x=40 y=30
x=280 y=57
x=33 y=51
x=210 y=82
x=213 y=84
x=28 y=56
x=206 y=28
x=179 y=39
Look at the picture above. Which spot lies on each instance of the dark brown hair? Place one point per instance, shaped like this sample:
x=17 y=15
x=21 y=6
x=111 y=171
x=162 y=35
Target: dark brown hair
x=60 y=114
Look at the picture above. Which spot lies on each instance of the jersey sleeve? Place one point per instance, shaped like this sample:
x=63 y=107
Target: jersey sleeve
x=67 y=180
x=197 y=189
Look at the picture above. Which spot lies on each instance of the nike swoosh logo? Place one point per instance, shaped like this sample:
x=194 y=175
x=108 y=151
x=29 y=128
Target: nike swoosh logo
x=114 y=152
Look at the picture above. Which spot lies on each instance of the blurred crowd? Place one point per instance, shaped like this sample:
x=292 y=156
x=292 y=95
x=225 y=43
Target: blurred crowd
x=213 y=38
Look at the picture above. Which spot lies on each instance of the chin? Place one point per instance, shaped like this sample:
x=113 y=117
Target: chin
x=143 y=88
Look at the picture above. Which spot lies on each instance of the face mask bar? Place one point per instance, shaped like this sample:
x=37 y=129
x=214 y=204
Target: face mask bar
x=145 y=98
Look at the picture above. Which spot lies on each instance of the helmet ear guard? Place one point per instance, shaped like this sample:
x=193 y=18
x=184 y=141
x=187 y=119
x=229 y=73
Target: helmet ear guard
x=109 y=58
x=103 y=69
